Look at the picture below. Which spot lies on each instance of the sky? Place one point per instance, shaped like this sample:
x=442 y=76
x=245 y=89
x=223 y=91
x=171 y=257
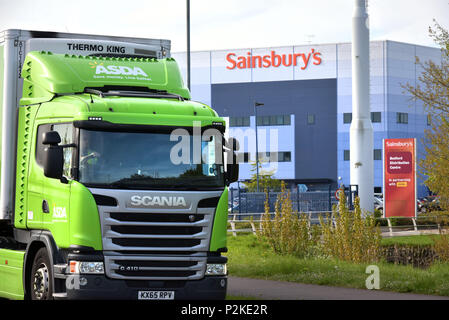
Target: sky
x=229 y=24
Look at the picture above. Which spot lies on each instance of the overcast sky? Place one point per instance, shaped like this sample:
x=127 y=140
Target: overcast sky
x=228 y=24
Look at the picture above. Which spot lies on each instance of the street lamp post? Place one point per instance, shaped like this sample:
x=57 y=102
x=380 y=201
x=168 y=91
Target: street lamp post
x=188 y=42
x=257 y=104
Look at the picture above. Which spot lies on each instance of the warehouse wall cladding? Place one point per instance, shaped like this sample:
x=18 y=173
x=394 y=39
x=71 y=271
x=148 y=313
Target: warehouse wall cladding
x=306 y=92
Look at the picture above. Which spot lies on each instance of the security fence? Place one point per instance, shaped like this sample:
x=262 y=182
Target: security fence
x=243 y=202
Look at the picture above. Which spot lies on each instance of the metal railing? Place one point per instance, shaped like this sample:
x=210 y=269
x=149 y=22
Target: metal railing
x=255 y=220
x=242 y=201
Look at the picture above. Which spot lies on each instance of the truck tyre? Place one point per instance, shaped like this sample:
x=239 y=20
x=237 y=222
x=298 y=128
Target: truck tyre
x=41 y=280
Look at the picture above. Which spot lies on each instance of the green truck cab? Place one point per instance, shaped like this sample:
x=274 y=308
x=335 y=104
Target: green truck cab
x=119 y=184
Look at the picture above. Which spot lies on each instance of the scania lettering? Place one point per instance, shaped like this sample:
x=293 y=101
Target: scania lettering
x=158 y=201
x=93 y=203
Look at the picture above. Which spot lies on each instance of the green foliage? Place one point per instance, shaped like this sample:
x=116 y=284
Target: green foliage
x=288 y=232
x=253 y=257
x=421 y=240
x=439 y=217
x=433 y=90
x=266 y=179
x=441 y=247
x=347 y=235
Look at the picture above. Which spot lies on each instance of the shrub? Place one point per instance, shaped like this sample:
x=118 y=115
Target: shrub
x=349 y=236
x=288 y=232
x=441 y=247
x=346 y=235
x=439 y=217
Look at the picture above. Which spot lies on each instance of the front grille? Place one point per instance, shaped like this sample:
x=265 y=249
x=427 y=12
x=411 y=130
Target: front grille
x=155 y=267
x=156 y=230
x=155 y=217
x=155 y=264
x=143 y=245
x=156 y=244
x=161 y=243
x=148 y=231
x=156 y=253
x=157 y=273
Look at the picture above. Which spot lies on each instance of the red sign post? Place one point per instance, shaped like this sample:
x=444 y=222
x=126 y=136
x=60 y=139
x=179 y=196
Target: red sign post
x=399 y=178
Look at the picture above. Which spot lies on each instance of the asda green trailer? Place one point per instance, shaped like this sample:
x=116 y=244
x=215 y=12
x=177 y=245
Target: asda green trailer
x=113 y=182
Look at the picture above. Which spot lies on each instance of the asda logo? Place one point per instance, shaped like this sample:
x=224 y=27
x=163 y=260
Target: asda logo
x=118 y=70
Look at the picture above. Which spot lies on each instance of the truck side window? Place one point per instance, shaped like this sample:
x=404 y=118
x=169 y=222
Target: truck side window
x=66 y=131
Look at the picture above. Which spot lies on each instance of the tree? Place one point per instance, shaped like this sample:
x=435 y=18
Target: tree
x=266 y=179
x=432 y=89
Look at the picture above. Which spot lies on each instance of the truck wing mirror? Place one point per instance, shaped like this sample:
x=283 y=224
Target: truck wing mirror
x=53 y=159
x=51 y=138
x=233 y=144
x=232 y=166
x=232 y=171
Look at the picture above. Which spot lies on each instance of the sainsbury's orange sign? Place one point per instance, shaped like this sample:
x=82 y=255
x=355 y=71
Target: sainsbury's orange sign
x=250 y=61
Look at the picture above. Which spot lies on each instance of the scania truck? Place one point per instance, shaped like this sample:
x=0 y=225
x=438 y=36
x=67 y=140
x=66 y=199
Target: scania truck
x=113 y=181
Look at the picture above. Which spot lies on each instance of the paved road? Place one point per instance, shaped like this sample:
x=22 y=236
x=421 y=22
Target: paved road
x=280 y=290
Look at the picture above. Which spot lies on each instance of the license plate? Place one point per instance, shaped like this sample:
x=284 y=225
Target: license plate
x=156 y=295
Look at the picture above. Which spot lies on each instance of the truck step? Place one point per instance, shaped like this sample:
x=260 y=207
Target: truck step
x=60 y=295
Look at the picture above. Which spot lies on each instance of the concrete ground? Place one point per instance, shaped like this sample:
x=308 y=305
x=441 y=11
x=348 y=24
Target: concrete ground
x=280 y=290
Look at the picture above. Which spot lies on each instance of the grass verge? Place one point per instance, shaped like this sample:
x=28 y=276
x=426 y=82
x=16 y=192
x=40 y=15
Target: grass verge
x=252 y=258
x=421 y=240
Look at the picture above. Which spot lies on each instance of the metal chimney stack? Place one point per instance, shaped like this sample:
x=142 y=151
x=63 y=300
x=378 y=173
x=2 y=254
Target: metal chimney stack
x=361 y=131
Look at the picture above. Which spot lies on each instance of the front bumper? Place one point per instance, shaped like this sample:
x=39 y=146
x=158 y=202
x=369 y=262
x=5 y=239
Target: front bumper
x=99 y=287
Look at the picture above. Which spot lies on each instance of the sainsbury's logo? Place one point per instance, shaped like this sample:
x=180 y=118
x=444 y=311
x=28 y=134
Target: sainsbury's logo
x=399 y=144
x=250 y=61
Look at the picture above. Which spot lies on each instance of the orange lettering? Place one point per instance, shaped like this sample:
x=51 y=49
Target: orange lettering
x=228 y=57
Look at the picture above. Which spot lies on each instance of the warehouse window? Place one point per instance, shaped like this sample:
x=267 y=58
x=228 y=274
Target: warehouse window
x=283 y=156
x=346 y=155
x=243 y=157
x=275 y=120
x=377 y=154
x=376 y=117
x=310 y=119
x=239 y=122
x=401 y=117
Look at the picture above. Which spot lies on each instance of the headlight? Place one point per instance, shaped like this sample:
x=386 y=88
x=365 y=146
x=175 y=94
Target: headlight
x=86 y=267
x=215 y=269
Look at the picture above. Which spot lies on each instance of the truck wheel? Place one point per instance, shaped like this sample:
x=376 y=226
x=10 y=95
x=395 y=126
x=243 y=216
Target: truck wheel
x=41 y=287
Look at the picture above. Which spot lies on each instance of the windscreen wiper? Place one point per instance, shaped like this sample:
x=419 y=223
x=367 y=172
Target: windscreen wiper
x=137 y=94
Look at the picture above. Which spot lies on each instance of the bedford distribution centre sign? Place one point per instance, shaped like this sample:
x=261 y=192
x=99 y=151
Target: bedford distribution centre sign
x=399 y=178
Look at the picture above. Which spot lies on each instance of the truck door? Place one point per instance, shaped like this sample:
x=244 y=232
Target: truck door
x=35 y=215
x=56 y=193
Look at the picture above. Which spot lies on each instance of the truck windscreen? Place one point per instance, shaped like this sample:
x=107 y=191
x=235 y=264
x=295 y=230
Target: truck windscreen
x=157 y=161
